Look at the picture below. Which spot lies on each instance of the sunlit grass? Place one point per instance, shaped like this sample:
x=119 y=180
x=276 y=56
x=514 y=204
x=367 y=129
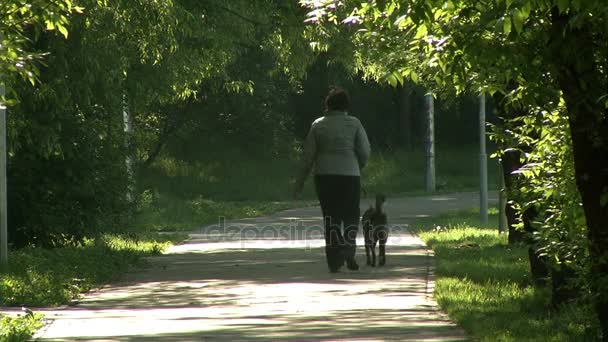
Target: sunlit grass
x=484 y=284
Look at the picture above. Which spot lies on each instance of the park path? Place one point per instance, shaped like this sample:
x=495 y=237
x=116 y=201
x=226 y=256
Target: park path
x=266 y=279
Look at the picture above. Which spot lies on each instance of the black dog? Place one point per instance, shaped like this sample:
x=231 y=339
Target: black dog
x=375 y=229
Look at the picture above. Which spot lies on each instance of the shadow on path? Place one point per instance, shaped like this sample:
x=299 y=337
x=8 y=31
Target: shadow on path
x=269 y=293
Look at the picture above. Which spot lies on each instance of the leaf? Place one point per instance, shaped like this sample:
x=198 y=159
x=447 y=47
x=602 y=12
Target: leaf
x=63 y=31
x=400 y=20
x=506 y=26
x=421 y=32
x=49 y=25
x=414 y=76
x=392 y=80
x=518 y=20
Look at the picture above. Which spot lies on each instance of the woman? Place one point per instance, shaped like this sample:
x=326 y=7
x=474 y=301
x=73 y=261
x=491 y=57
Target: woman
x=337 y=147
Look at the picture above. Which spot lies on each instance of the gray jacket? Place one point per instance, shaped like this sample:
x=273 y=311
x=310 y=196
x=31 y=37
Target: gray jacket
x=336 y=145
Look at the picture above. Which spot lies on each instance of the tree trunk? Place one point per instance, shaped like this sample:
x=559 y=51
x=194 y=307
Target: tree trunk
x=512 y=161
x=575 y=67
x=539 y=269
x=562 y=290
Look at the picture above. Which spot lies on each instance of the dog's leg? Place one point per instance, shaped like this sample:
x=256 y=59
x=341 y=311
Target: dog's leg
x=368 y=244
x=373 y=250
x=382 y=249
x=367 y=252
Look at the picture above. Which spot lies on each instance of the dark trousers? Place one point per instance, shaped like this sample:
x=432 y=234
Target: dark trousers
x=339 y=197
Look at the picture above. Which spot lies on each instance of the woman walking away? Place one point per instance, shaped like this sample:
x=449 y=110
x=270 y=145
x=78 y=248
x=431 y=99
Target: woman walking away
x=337 y=147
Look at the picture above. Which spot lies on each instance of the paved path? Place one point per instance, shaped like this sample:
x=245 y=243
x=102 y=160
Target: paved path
x=266 y=279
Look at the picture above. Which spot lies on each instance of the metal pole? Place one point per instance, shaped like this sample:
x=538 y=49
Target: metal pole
x=502 y=200
x=430 y=146
x=3 y=206
x=483 y=162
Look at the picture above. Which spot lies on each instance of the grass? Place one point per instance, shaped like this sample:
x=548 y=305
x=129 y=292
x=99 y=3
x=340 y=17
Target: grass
x=484 y=285
x=182 y=195
x=167 y=212
x=402 y=172
x=234 y=177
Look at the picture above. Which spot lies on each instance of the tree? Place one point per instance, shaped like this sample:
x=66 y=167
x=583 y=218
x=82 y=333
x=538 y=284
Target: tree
x=66 y=143
x=531 y=51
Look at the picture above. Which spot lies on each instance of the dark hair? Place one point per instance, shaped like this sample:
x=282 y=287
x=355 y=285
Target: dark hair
x=337 y=99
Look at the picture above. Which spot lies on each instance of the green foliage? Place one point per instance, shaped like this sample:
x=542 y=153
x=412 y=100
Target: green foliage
x=449 y=44
x=18 y=22
x=484 y=285
x=547 y=182
x=67 y=145
x=19 y=328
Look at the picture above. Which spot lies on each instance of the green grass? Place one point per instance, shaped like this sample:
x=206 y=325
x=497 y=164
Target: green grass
x=484 y=285
x=401 y=172
x=234 y=177
x=167 y=212
x=178 y=195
